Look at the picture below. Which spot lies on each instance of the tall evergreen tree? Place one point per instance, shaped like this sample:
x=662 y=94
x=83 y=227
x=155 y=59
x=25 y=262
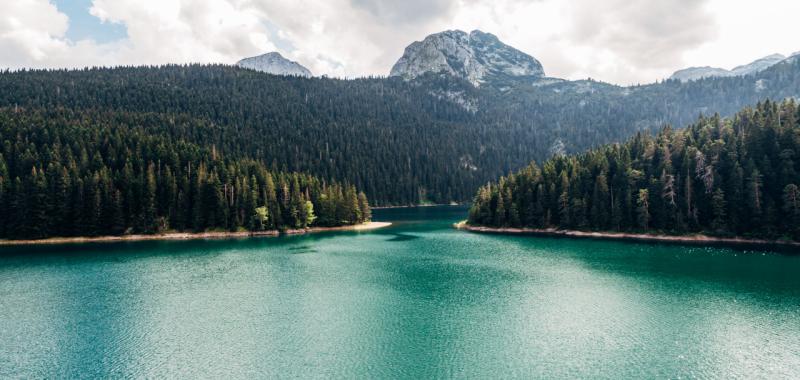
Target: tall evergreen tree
x=715 y=177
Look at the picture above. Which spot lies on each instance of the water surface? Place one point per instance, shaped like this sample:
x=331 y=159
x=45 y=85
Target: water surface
x=416 y=300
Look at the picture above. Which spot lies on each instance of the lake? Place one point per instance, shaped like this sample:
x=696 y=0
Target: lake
x=415 y=300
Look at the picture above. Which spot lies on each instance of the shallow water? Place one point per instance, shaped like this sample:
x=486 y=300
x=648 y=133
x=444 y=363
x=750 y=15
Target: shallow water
x=416 y=300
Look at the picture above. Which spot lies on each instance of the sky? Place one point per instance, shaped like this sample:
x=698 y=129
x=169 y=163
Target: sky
x=617 y=41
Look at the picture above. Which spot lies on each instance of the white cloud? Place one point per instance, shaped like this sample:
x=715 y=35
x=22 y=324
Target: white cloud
x=180 y=31
x=30 y=31
x=748 y=31
x=618 y=41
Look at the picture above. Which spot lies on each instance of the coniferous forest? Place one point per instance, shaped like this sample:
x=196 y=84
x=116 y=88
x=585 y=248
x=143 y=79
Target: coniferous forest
x=719 y=176
x=197 y=147
x=433 y=139
x=88 y=173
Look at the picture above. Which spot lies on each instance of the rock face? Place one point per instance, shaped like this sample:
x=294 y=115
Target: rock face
x=793 y=57
x=757 y=65
x=694 y=73
x=274 y=63
x=477 y=57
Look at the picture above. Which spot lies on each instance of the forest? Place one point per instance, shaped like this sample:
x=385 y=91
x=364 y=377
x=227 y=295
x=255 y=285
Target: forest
x=87 y=173
x=718 y=176
x=435 y=139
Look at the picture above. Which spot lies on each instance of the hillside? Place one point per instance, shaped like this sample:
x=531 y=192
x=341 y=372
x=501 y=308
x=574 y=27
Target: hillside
x=89 y=173
x=434 y=138
x=718 y=176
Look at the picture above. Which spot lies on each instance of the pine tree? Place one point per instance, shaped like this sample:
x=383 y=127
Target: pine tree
x=791 y=209
x=38 y=206
x=3 y=195
x=754 y=195
x=118 y=225
x=19 y=224
x=718 y=205
x=600 y=202
x=643 y=209
x=363 y=205
x=500 y=211
x=149 y=206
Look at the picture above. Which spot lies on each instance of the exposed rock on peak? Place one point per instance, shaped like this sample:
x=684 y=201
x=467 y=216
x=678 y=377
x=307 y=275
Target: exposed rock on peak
x=477 y=57
x=694 y=73
x=758 y=65
x=274 y=63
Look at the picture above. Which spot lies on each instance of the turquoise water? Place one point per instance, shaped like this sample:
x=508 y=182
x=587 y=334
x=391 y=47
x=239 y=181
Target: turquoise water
x=416 y=300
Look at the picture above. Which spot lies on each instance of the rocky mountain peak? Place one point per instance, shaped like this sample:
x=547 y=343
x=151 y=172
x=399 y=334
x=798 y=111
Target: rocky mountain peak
x=274 y=63
x=758 y=65
x=477 y=57
x=694 y=73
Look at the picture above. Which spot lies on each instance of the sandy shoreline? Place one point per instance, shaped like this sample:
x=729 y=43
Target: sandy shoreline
x=653 y=238
x=192 y=235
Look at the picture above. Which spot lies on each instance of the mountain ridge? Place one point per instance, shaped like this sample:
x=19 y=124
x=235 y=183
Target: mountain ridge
x=274 y=63
x=699 y=72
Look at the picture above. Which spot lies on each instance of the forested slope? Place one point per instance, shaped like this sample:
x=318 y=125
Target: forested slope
x=435 y=138
x=733 y=176
x=86 y=173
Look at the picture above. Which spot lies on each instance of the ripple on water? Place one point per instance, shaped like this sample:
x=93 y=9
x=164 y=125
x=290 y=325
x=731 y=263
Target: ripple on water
x=415 y=300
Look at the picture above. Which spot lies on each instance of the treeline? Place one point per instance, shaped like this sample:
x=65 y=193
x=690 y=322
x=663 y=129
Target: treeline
x=391 y=140
x=84 y=173
x=718 y=176
x=435 y=139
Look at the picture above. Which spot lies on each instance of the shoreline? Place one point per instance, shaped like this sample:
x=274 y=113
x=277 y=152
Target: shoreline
x=413 y=206
x=696 y=239
x=192 y=235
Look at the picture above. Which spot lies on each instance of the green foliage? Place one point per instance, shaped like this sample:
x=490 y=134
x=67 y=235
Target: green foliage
x=434 y=139
x=308 y=216
x=716 y=176
x=107 y=173
x=260 y=218
x=643 y=209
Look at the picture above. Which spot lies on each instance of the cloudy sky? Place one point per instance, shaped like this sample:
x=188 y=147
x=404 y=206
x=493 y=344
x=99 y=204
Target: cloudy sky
x=618 y=41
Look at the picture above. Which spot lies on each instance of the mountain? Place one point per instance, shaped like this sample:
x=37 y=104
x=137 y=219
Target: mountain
x=694 y=73
x=274 y=63
x=757 y=65
x=793 y=57
x=476 y=57
x=432 y=138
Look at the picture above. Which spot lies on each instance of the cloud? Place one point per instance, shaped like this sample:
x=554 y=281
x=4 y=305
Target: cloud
x=647 y=36
x=405 y=12
x=351 y=37
x=30 y=31
x=186 y=31
x=619 y=41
